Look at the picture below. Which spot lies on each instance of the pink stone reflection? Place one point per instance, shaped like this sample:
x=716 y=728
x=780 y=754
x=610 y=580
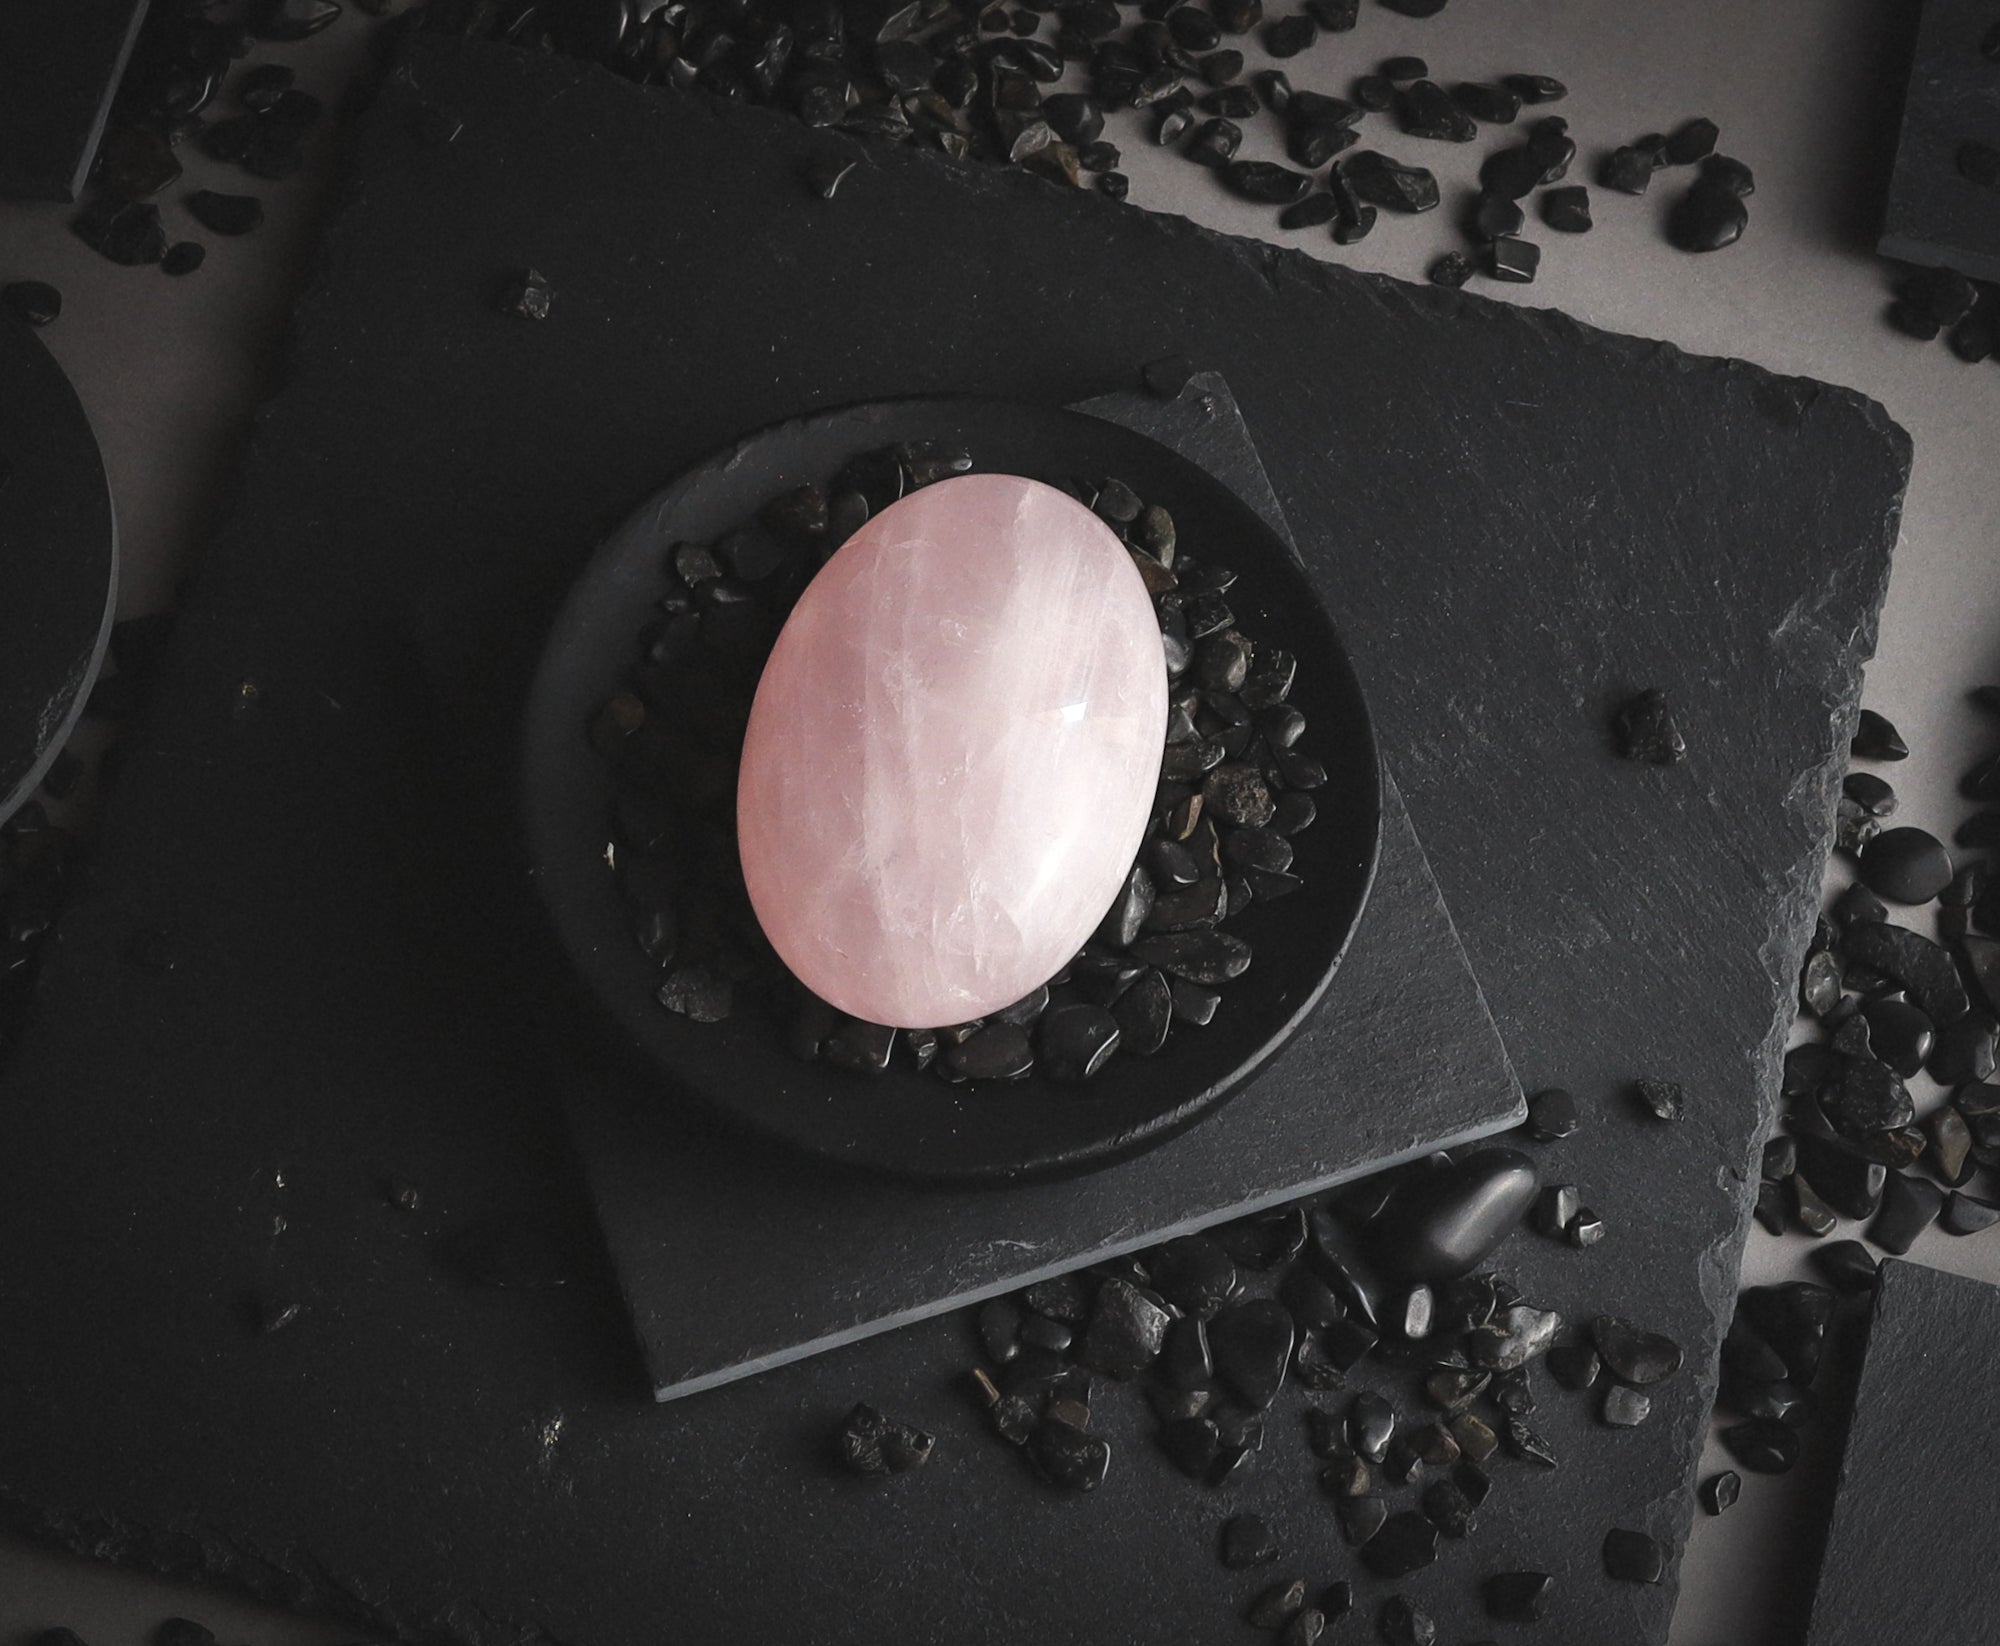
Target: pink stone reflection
x=953 y=752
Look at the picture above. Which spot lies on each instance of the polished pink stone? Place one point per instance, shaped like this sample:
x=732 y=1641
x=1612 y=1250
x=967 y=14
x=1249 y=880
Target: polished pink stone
x=953 y=752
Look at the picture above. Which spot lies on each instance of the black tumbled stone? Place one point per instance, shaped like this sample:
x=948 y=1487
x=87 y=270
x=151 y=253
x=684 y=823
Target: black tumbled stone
x=1567 y=210
x=1907 y=865
x=1406 y=1543
x=1763 y=1445
x=1264 y=182
x=1633 y=1557
x=32 y=302
x=1875 y=738
x=1647 y=730
x=1628 y=170
x=1252 y=1345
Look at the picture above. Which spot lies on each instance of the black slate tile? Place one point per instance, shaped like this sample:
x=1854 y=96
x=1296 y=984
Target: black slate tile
x=1906 y=1549
x=387 y=1024
x=1936 y=214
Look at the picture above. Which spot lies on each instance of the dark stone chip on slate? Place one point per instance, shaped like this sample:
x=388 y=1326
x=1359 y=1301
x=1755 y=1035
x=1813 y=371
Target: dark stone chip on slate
x=1425 y=109
x=1847 y=1264
x=1098 y=157
x=1291 y=35
x=1405 y=1543
x=1220 y=68
x=1514 y=1338
x=1215 y=142
x=1633 y=1557
x=1042 y=1333
x=1979 y=163
x=1763 y=1445
x=1265 y=182
x=1185 y=1362
x=1143 y=1014
x=1872 y=793
x=1309 y=213
x=1361 y=1518
x=1648 y=732
x=870 y=1444
x=1264 y=1240
x=999 y=1322
x=1231 y=102
x=1114 y=185
x=182 y=1631
x=1628 y=170
x=1516 y=1597
x=1875 y=738
x=1252 y=1345
x=998 y=1051
x=1966 y=1214
x=1663 y=1099
x=1387 y=183
x=1574 y=1365
x=1624 y=1408
x=1908 y=865
x=1910 y=1205
x=1069 y=1457
x=528 y=296
x=1278 y=1605
x=1446 y=1507
x=1721 y=1490
x=1311 y=1301
x=1193 y=1273
x=1401 y=1621
x=1451 y=271
x=1551 y=1115
x=1445 y=1222
x=1950 y=1140
x=1900 y=1036
x=33 y=302
x=1535 y=88
x=1769 y=1209
x=1371 y=1425
x=1555 y=1207
x=183 y=257
x=1917 y=964
x=1567 y=210
x=1192 y=1445
x=1247 y=1541
x=1634 y=1356
x=1513 y=259
x=130 y=235
x=226 y=214
x=1075 y=118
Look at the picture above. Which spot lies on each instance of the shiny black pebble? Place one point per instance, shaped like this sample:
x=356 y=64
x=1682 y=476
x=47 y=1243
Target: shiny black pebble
x=1633 y=1557
x=1763 y=1445
x=1406 y=1543
x=1252 y=1344
x=33 y=302
x=1876 y=738
x=1907 y=865
x=1648 y=732
x=1567 y=210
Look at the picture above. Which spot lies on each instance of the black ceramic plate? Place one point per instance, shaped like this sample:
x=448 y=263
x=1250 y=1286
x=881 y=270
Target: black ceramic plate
x=907 y=1121
x=58 y=561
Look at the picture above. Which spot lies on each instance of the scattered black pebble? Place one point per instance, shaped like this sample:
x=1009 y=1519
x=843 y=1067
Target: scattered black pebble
x=33 y=302
x=1721 y=1490
x=1451 y=271
x=1264 y=182
x=1278 y=1605
x=528 y=295
x=1708 y=217
x=184 y=257
x=1513 y=259
x=1663 y=1099
x=1567 y=210
x=870 y=1444
x=1401 y=1621
x=1633 y=1557
x=1247 y=1540
x=1389 y=184
x=1691 y=142
x=1907 y=865
x=1875 y=738
x=1290 y=35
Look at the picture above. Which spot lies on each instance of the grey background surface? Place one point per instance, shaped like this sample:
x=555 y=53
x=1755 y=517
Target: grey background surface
x=1806 y=93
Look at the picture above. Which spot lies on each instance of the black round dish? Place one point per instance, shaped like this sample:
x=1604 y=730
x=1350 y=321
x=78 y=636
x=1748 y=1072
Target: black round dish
x=906 y=1121
x=58 y=561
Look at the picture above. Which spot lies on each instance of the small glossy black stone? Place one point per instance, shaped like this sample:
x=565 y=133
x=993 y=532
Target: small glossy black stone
x=1721 y=1490
x=1514 y=1337
x=1574 y=1365
x=1192 y=1445
x=1265 y=183
x=1335 y=16
x=1114 y=185
x=1910 y=1205
x=1193 y=1273
x=1695 y=140
x=1373 y=92
x=33 y=302
x=1405 y=1543
x=1252 y=1345
x=1291 y=35
x=1770 y=1207
x=1632 y=1355
x=1425 y=109
x=999 y=1323
x=1647 y=730
x=1920 y=966
x=1535 y=88
x=1264 y=1240
x=226 y=214
x=1552 y=1115
x=869 y=1443
x=1907 y=865
x=1875 y=738
x=1662 y=1099
x=528 y=296
x=1401 y=1621
x=1496 y=105
x=1278 y=1605
x=1075 y=1041
x=1446 y=1507
x=1309 y=213
x=1517 y=1597
x=1450 y=271
x=1627 y=170
x=1231 y=102
x=1312 y=1302
x=1215 y=142
x=1445 y=1222
x=1567 y=210
x=1780 y=1159
x=1765 y=1446
x=1966 y=1214
x=1624 y=1408
x=997 y=1051
x=1847 y=1264
x=183 y=257
x=1513 y=259
x=1387 y=183
x=1900 y=1036
x=1633 y=1557
x=1494 y=215
x=1371 y=1425
x=1396 y=70
x=1068 y=1457
x=1360 y=1519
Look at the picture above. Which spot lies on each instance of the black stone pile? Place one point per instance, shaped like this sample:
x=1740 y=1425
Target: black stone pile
x=1710 y=213
x=1235 y=788
x=1941 y=302
x=1363 y=1323
x=1885 y=1004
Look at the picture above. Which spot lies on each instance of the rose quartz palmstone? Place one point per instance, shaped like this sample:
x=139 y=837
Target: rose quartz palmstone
x=953 y=752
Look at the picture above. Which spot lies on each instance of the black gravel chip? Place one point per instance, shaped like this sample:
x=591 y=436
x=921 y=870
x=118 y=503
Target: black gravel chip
x=1406 y=1542
x=1451 y=271
x=1966 y=1214
x=1401 y=1621
x=1627 y=170
x=1634 y=1356
x=1496 y=105
x=1397 y=70
x=870 y=1444
x=1906 y=865
x=1535 y=88
x=1662 y=1099
x=1691 y=142
x=1252 y=1344
x=1383 y=182
x=1517 y=1597
x=528 y=295
x=1374 y=92
x=1425 y=109
x=1765 y=1446
x=1875 y=738
x=183 y=257
x=32 y=302
x=1513 y=259
x=1291 y=35
x=1068 y=1457
x=1265 y=182
x=1633 y=1557
x=1732 y=176
x=1567 y=210
x=1647 y=730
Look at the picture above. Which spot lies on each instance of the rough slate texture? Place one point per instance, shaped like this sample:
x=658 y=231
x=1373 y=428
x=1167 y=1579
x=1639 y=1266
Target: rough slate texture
x=1909 y=1552
x=1519 y=520
x=1935 y=215
x=1401 y=1058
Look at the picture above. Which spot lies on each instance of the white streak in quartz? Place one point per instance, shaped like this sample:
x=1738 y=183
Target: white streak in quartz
x=953 y=752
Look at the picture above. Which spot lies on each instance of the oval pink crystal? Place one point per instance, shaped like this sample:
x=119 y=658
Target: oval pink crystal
x=953 y=752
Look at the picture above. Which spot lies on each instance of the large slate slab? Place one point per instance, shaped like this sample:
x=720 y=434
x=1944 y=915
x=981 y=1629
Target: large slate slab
x=60 y=62
x=1400 y=1058
x=1935 y=213
x=1519 y=519
x=1907 y=1549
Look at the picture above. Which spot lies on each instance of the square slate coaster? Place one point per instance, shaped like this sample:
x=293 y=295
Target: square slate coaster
x=1909 y=1549
x=1935 y=214
x=1518 y=520
x=1402 y=1058
x=60 y=63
